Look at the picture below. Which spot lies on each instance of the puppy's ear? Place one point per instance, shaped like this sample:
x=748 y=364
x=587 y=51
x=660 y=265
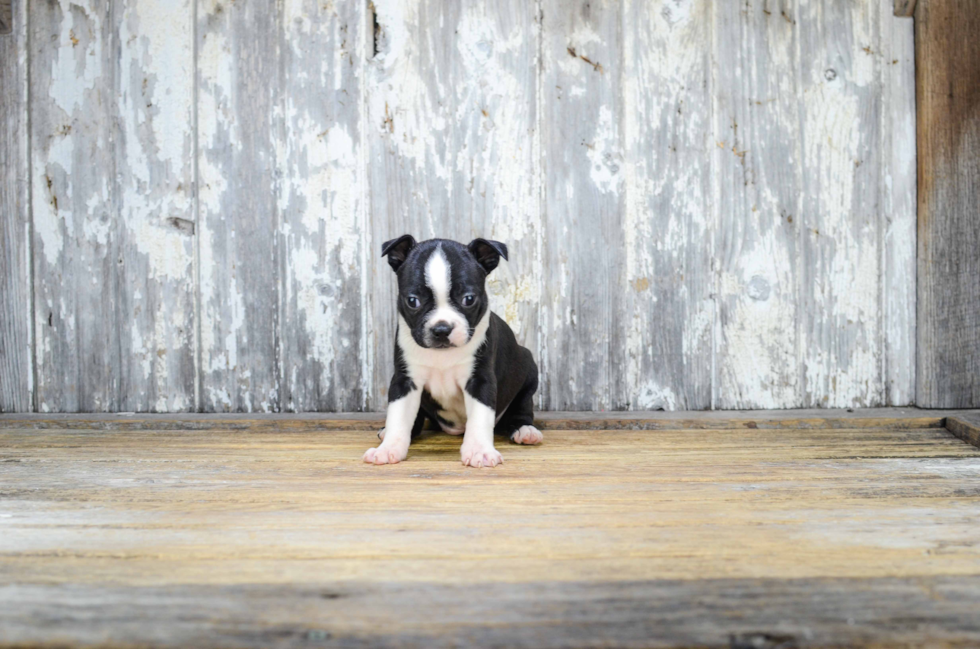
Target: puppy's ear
x=397 y=250
x=488 y=253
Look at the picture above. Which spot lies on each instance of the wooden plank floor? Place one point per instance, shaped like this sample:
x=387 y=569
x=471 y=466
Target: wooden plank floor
x=744 y=537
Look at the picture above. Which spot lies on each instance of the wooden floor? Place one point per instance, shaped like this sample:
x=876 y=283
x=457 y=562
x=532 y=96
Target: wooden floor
x=751 y=532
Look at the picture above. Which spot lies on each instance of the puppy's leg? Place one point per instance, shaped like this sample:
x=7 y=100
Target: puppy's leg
x=477 y=450
x=416 y=428
x=518 y=421
x=402 y=415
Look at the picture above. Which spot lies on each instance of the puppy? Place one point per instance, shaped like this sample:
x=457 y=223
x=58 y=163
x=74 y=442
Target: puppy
x=456 y=363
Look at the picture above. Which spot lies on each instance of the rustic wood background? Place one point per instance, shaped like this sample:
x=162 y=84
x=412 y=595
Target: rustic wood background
x=708 y=204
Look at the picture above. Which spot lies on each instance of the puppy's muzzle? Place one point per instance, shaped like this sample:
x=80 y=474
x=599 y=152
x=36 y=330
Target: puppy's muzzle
x=440 y=334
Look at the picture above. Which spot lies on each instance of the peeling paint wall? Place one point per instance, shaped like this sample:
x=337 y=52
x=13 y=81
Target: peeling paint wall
x=708 y=204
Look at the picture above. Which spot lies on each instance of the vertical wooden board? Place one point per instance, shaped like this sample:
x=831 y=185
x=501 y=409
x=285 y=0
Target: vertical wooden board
x=667 y=106
x=583 y=157
x=111 y=142
x=947 y=53
x=451 y=126
x=73 y=100
x=497 y=142
x=238 y=87
x=16 y=361
x=322 y=206
x=757 y=201
x=897 y=209
x=409 y=133
x=154 y=152
x=840 y=303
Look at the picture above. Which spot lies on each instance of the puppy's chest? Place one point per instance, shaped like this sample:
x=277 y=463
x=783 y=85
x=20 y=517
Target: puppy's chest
x=445 y=386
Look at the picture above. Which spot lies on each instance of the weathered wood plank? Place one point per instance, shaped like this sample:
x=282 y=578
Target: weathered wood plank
x=897 y=184
x=947 y=54
x=669 y=312
x=16 y=319
x=904 y=8
x=840 y=228
x=830 y=537
x=966 y=426
x=112 y=143
x=892 y=418
x=451 y=113
x=239 y=85
x=933 y=612
x=155 y=286
x=7 y=17
x=583 y=158
x=76 y=246
x=758 y=196
x=322 y=206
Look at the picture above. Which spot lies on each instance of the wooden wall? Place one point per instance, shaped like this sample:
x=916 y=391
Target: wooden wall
x=708 y=204
x=948 y=93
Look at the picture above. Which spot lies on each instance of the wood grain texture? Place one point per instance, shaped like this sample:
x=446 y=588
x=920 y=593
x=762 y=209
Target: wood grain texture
x=583 y=162
x=112 y=144
x=947 y=54
x=897 y=206
x=154 y=319
x=322 y=205
x=7 y=17
x=891 y=418
x=667 y=111
x=926 y=612
x=835 y=537
x=966 y=426
x=452 y=130
x=904 y=8
x=16 y=320
x=239 y=85
x=757 y=198
x=77 y=247
x=840 y=232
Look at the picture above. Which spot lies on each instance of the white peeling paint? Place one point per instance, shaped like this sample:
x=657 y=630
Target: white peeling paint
x=78 y=65
x=604 y=154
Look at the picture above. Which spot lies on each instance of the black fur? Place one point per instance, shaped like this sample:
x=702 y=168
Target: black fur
x=504 y=377
x=401 y=383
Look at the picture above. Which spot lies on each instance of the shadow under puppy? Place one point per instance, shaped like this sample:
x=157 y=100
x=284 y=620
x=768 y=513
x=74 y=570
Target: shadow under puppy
x=456 y=362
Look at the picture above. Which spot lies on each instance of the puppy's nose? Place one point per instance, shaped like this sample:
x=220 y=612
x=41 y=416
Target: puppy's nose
x=442 y=329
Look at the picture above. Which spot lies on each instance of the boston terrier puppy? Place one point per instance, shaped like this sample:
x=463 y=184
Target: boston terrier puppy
x=456 y=363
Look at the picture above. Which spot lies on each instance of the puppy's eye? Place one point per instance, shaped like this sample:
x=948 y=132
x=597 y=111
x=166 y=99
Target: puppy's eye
x=469 y=300
x=413 y=302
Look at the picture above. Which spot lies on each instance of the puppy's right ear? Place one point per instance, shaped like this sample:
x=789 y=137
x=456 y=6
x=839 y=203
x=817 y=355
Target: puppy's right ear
x=397 y=250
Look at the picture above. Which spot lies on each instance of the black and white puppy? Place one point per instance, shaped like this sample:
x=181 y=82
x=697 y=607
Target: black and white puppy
x=456 y=362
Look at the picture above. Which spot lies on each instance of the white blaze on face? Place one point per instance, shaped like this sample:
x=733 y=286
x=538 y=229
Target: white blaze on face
x=438 y=277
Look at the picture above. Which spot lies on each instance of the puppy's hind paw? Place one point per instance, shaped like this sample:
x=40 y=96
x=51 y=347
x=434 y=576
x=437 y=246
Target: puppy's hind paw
x=526 y=435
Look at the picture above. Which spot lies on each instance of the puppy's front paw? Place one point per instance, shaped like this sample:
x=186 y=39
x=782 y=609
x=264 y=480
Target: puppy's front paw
x=526 y=435
x=385 y=455
x=480 y=456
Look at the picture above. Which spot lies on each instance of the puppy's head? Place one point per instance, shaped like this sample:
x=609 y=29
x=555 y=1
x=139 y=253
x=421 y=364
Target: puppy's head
x=442 y=286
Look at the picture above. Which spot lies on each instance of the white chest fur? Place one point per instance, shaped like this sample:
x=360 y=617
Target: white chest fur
x=443 y=373
x=446 y=387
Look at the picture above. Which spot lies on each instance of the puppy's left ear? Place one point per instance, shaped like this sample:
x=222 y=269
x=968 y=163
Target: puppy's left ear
x=488 y=253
